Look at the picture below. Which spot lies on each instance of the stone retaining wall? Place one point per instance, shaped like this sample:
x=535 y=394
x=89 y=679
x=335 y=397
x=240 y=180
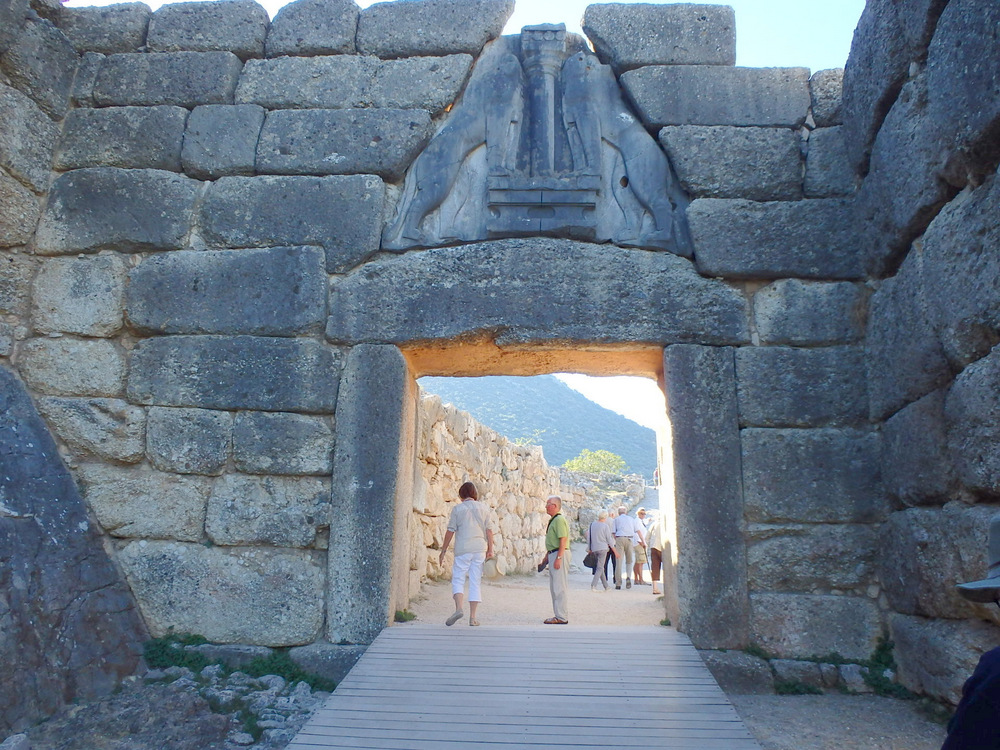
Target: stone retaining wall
x=195 y=296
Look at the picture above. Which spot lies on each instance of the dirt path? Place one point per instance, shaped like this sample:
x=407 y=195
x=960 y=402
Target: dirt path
x=796 y=722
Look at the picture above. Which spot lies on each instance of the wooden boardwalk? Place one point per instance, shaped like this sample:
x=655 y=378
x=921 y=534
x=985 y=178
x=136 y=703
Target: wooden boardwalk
x=430 y=687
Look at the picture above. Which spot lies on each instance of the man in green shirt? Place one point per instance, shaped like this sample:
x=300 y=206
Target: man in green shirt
x=557 y=558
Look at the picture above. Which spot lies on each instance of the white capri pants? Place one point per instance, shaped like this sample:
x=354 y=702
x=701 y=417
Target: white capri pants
x=471 y=565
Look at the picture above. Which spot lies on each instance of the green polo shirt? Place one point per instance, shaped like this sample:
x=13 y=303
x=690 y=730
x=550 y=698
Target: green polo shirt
x=558 y=528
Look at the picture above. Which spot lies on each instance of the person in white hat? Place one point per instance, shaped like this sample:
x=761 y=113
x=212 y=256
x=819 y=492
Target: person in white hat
x=976 y=723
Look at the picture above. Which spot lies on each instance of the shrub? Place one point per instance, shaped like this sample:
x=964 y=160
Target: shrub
x=404 y=615
x=794 y=687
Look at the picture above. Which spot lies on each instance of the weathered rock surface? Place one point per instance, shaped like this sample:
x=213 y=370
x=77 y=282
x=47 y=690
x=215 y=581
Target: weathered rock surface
x=739 y=673
x=80 y=295
x=789 y=387
x=826 y=90
x=266 y=443
x=12 y=17
x=221 y=139
x=108 y=428
x=805 y=625
x=431 y=27
x=108 y=29
x=341 y=214
x=235 y=372
x=811 y=557
x=41 y=63
x=719 y=95
x=916 y=465
x=21 y=212
x=973 y=419
x=272 y=511
x=630 y=36
x=641 y=296
x=828 y=173
x=746 y=239
x=145 y=504
x=811 y=313
x=812 y=476
x=237 y=26
x=185 y=79
x=136 y=137
x=921 y=548
x=73 y=367
x=313 y=27
x=116 y=209
x=936 y=657
x=227 y=594
x=268 y=292
x=728 y=162
x=15 y=282
x=71 y=630
x=189 y=441
x=26 y=140
x=342 y=141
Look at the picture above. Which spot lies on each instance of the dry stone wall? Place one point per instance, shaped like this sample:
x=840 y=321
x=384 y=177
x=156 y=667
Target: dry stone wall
x=195 y=297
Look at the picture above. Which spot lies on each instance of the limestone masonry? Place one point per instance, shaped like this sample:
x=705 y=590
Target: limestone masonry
x=230 y=244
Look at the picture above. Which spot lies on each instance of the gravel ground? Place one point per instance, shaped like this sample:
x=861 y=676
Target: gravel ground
x=793 y=722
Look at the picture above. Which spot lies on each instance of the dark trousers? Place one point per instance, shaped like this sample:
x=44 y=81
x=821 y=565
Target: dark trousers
x=612 y=559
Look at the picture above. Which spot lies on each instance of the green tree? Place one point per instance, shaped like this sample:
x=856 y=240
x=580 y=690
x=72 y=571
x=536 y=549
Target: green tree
x=594 y=462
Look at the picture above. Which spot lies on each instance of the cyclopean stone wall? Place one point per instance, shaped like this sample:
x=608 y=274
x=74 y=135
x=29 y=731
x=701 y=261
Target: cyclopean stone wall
x=196 y=296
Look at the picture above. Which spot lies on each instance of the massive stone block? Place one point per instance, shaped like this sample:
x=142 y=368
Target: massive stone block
x=826 y=89
x=103 y=208
x=189 y=441
x=811 y=313
x=12 y=16
x=345 y=81
x=140 y=137
x=41 y=62
x=109 y=29
x=904 y=358
x=313 y=27
x=265 y=443
x=235 y=372
x=958 y=261
x=369 y=471
x=711 y=574
x=802 y=626
x=20 y=212
x=346 y=141
x=26 y=139
x=812 y=476
x=86 y=76
x=73 y=367
x=936 y=657
x=727 y=162
x=15 y=282
x=820 y=557
x=272 y=511
x=536 y=289
x=923 y=552
x=237 y=26
x=71 y=630
x=630 y=36
x=745 y=239
x=186 y=79
x=80 y=295
x=221 y=139
x=229 y=595
x=973 y=418
x=828 y=173
x=916 y=466
x=787 y=387
x=341 y=214
x=718 y=95
x=108 y=428
x=145 y=504
x=431 y=27
x=277 y=291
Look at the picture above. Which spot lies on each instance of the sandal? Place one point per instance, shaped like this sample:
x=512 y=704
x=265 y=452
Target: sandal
x=473 y=623
x=454 y=617
x=556 y=621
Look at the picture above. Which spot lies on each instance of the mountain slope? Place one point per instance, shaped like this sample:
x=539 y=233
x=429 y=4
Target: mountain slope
x=549 y=413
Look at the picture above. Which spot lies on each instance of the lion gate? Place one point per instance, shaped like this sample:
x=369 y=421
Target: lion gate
x=232 y=244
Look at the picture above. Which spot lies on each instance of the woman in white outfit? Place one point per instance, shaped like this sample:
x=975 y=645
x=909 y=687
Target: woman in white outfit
x=469 y=526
